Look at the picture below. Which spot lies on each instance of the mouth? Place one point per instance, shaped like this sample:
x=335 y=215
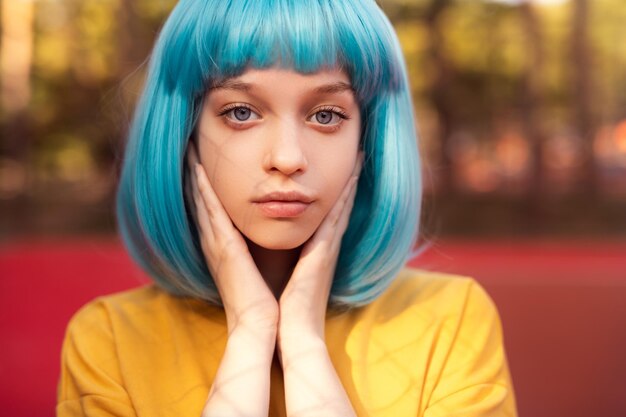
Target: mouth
x=283 y=209
x=283 y=204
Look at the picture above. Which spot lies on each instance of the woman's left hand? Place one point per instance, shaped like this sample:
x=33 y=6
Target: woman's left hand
x=311 y=382
x=304 y=300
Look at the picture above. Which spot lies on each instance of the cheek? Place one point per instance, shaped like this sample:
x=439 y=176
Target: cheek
x=230 y=166
x=334 y=171
x=222 y=160
x=228 y=170
x=339 y=177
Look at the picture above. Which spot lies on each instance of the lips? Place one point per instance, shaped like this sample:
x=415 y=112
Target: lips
x=283 y=204
x=285 y=196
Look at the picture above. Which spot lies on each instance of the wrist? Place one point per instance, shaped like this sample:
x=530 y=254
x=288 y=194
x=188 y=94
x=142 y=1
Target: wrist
x=300 y=352
x=243 y=338
x=299 y=339
x=262 y=320
x=300 y=324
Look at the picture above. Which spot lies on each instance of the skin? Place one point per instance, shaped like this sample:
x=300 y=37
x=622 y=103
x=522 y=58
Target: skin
x=274 y=274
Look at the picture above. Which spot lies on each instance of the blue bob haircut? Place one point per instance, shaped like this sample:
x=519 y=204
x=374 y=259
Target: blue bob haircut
x=207 y=40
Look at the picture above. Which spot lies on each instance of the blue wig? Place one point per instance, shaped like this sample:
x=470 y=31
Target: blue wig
x=207 y=40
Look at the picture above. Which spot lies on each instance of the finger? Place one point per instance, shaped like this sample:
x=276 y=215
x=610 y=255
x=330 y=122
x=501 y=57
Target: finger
x=207 y=238
x=207 y=227
x=202 y=214
x=348 y=188
x=344 y=219
x=217 y=214
x=190 y=185
x=192 y=160
x=207 y=194
x=191 y=200
x=329 y=225
x=358 y=164
x=193 y=183
x=349 y=202
x=192 y=155
x=346 y=200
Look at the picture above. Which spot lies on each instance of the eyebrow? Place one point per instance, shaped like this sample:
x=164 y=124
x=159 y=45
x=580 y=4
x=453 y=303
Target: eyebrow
x=230 y=84
x=334 y=88
x=331 y=88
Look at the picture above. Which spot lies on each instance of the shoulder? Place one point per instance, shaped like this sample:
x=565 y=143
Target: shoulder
x=467 y=360
x=98 y=311
x=445 y=330
x=438 y=294
x=456 y=308
x=134 y=313
x=112 y=343
x=91 y=376
x=91 y=328
x=145 y=300
x=451 y=307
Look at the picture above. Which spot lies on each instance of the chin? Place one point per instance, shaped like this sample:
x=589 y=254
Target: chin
x=279 y=240
x=278 y=244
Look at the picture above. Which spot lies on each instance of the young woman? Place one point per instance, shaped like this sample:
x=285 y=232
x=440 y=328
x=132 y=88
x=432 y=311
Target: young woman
x=271 y=189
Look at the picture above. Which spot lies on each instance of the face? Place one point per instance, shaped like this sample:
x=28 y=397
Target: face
x=278 y=148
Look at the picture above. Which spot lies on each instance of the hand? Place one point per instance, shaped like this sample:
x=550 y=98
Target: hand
x=304 y=301
x=246 y=297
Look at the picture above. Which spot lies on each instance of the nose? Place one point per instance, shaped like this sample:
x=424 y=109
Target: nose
x=285 y=151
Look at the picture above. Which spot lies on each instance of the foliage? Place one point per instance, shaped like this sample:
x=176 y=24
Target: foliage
x=89 y=57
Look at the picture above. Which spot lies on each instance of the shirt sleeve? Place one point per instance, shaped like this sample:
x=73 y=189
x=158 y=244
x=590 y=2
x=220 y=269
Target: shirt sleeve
x=475 y=379
x=91 y=384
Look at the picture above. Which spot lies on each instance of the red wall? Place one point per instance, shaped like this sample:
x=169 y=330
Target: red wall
x=563 y=308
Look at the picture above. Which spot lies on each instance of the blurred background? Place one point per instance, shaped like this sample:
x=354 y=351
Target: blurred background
x=521 y=109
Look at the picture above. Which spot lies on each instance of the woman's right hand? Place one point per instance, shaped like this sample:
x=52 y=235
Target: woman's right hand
x=241 y=386
x=247 y=299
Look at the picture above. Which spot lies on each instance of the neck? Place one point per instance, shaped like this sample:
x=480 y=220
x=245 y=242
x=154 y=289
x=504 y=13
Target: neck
x=275 y=266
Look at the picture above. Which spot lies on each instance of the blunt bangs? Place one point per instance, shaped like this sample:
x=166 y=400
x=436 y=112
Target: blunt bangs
x=207 y=41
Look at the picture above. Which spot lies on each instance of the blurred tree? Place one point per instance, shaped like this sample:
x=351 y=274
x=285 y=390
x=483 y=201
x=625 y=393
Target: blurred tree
x=532 y=99
x=16 y=56
x=501 y=112
x=583 y=118
x=441 y=91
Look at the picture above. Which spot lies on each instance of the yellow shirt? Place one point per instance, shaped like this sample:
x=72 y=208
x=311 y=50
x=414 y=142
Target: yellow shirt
x=430 y=346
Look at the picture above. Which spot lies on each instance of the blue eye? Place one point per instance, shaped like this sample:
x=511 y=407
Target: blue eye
x=329 y=116
x=241 y=113
x=324 y=117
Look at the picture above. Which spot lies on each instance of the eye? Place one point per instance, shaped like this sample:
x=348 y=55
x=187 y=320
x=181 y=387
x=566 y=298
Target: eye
x=239 y=113
x=242 y=113
x=324 y=117
x=329 y=116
